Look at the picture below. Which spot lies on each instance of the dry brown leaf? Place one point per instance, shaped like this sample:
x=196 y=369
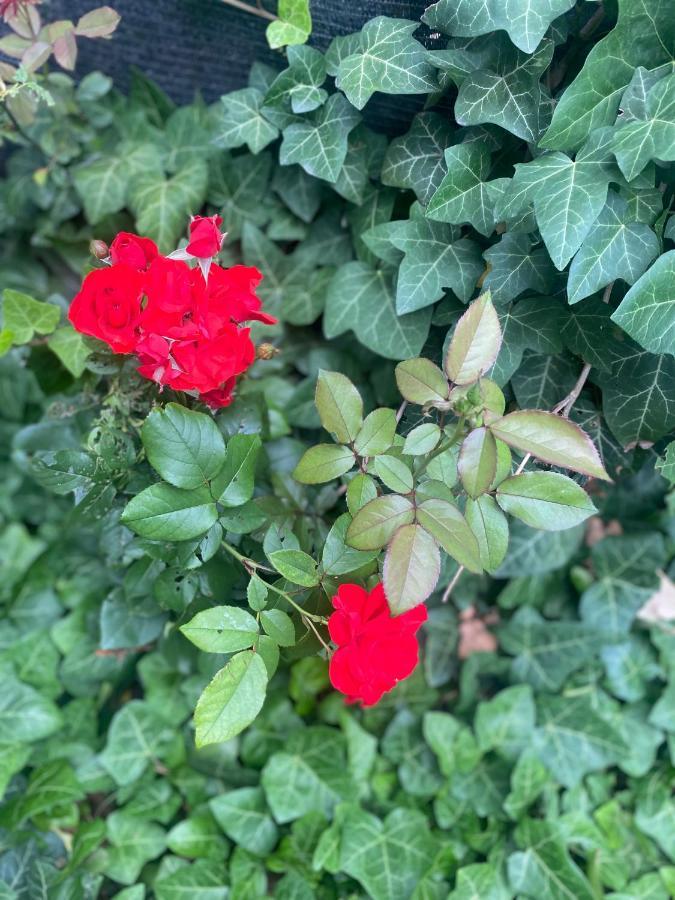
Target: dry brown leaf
x=596 y=530
x=661 y=605
x=474 y=636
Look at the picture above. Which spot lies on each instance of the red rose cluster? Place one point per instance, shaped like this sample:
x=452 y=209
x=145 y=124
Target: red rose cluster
x=375 y=650
x=183 y=323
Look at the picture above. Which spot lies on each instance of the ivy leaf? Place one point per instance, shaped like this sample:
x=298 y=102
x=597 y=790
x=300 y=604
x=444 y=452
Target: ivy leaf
x=449 y=527
x=245 y=819
x=553 y=439
x=185 y=447
x=568 y=197
x=546 y=652
x=26 y=714
x=490 y=528
x=545 y=500
x=320 y=145
x=189 y=137
x=433 y=260
x=133 y=842
x=651 y=136
x=463 y=195
x=506 y=722
x=588 y=332
x=515 y=267
x=298 y=88
x=507 y=93
x=300 y=192
x=102 y=186
x=543 y=866
x=240 y=121
x=531 y=324
x=637 y=396
x=375 y=523
x=232 y=700
x=482 y=880
x=572 y=739
x=389 y=60
x=238 y=186
x=542 y=379
x=616 y=247
x=647 y=311
x=293 y=26
x=640 y=37
x=398 y=851
x=137 y=737
x=526 y=21
x=24 y=316
x=163 y=512
x=162 y=206
x=71 y=348
x=475 y=342
x=534 y=551
x=416 y=160
x=361 y=299
x=339 y=405
x=221 y=629
x=287 y=276
x=412 y=565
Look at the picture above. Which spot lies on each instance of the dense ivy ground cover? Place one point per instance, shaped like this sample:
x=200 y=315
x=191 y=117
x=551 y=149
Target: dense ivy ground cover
x=531 y=754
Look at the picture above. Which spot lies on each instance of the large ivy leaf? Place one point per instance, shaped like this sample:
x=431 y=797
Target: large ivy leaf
x=482 y=880
x=638 y=395
x=643 y=36
x=526 y=21
x=433 y=259
x=244 y=817
x=568 y=197
x=23 y=316
x=133 y=842
x=462 y=195
x=361 y=299
x=310 y=774
x=572 y=739
x=652 y=135
x=506 y=92
x=162 y=206
x=417 y=159
x=531 y=324
x=389 y=59
x=543 y=867
x=298 y=88
x=25 y=714
x=387 y=858
x=320 y=146
x=412 y=565
x=238 y=186
x=241 y=121
x=137 y=737
x=293 y=26
x=647 y=312
x=514 y=267
x=546 y=652
x=616 y=247
x=588 y=332
x=188 y=136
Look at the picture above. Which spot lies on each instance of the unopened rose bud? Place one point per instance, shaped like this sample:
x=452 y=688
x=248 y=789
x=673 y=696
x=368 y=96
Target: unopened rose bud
x=266 y=351
x=99 y=249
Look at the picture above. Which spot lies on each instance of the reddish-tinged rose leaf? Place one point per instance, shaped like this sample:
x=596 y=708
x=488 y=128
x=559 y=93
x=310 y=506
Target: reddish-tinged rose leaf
x=420 y=381
x=477 y=463
x=545 y=500
x=552 y=439
x=411 y=568
x=324 y=462
x=491 y=528
x=339 y=405
x=449 y=527
x=98 y=23
x=37 y=54
x=475 y=342
x=374 y=524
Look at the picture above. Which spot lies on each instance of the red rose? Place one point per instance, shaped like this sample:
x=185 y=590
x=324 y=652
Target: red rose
x=221 y=397
x=205 y=365
x=173 y=299
x=108 y=306
x=132 y=250
x=375 y=650
x=230 y=295
x=205 y=236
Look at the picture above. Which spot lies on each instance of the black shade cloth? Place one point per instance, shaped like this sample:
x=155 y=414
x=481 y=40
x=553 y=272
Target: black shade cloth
x=208 y=46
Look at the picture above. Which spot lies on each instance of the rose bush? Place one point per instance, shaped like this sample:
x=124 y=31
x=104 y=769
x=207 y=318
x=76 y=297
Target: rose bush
x=337 y=554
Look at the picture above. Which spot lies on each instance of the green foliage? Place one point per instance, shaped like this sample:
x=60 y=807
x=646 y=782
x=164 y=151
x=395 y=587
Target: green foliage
x=167 y=722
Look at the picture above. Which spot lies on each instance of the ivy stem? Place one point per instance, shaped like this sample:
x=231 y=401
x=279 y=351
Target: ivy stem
x=453 y=581
x=254 y=10
x=251 y=566
x=564 y=407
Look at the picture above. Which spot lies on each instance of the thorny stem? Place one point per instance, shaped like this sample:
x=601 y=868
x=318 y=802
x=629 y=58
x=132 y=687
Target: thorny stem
x=563 y=408
x=251 y=567
x=308 y=621
x=449 y=589
x=443 y=446
x=254 y=10
x=401 y=410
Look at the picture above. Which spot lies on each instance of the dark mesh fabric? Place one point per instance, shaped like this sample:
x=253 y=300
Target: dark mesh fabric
x=208 y=46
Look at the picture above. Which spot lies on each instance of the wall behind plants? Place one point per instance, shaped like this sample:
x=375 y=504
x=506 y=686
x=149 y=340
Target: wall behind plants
x=539 y=766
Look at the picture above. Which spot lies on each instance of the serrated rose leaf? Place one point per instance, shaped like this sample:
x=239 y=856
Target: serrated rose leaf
x=449 y=527
x=296 y=566
x=412 y=565
x=491 y=529
x=375 y=523
x=376 y=435
x=552 y=439
x=221 y=629
x=545 y=500
x=185 y=447
x=163 y=512
x=339 y=405
x=323 y=463
x=421 y=381
x=231 y=700
x=475 y=342
x=477 y=463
